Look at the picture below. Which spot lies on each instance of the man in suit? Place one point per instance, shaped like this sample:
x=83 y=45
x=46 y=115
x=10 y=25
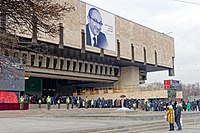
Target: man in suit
x=93 y=30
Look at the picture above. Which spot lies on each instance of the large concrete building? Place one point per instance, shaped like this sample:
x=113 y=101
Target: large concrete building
x=71 y=66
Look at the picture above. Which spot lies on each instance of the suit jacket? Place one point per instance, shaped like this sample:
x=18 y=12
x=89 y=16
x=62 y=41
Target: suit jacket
x=101 y=39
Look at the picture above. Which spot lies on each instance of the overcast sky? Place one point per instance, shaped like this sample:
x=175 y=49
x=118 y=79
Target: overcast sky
x=178 y=19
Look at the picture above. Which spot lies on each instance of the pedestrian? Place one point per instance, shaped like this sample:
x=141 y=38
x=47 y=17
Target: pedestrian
x=58 y=103
x=21 y=103
x=39 y=102
x=198 y=104
x=48 y=102
x=67 y=102
x=170 y=117
x=188 y=106
x=78 y=102
x=73 y=101
x=103 y=103
x=86 y=102
x=178 y=117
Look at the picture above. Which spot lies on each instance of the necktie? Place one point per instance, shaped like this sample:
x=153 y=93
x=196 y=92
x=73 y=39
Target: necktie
x=95 y=41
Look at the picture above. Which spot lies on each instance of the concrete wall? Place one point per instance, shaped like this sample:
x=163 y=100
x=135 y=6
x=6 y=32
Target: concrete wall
x=134 y=94
x=127 y=32
x=129 y=76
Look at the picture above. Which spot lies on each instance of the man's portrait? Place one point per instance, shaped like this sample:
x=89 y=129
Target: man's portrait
x=94 y=36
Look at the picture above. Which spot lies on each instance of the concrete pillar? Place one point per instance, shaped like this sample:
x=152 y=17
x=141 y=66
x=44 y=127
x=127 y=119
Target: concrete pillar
x=112 y=71
x=44 y=61
x=108 y=70
x=36 y=60
x=93 y=70
x=61 y=59
x=71 y=65
x=83 y=67
x=103 y=70
x=99 y=67
x=88 y=67
x=129 y=76
x=118 y=72
x=51 y=62
x=28 y=58
x=58 y=62
x=77 y=66
x=64 y=64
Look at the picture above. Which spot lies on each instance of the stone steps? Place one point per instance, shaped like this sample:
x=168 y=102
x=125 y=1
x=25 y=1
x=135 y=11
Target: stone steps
x=140 y=127
x=135 y=128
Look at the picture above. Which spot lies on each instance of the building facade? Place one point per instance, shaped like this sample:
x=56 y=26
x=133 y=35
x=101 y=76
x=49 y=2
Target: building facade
x=72 y=65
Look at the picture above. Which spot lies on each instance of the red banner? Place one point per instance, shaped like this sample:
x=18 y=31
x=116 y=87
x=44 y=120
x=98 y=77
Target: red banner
x=167 y=84
x=8 y=97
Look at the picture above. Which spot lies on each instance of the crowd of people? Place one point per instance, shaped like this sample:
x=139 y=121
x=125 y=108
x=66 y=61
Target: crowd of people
x=150 y=105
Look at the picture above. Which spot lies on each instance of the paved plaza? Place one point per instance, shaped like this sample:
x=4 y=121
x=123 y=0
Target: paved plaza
x=84 y=121
x=186 y=129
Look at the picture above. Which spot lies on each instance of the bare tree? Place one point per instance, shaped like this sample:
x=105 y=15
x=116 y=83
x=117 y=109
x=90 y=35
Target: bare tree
x=27 y=16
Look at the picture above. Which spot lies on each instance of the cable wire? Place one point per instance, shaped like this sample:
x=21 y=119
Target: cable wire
x=194 y=3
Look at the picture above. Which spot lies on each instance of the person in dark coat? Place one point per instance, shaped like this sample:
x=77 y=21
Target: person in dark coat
x=178 y=117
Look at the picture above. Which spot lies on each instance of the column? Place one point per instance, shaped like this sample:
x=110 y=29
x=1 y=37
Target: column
x=83 y=67
x=108 y=70
x=58 y=62
x=103 y=70
x=88 y=67
x=28 y=58
x=77 y=66
x=44 y=61
x=64 y=64
x=36 y=60
x=51 y=62
x=99 y=67
x=93 y=70
x=71 y=65
x=112 y=72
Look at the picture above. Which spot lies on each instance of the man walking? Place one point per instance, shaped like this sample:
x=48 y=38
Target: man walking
x=58 y=103
x=178 y=117
x=48 y=102
x=39 y=102
x=21 y=103
x=67 y=102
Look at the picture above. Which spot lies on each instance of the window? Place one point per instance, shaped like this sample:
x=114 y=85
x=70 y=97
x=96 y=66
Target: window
x=68 y=64
x=132 y=52
x=40 y=61
x=47 y=62
x=91 y=68
x=61 y=64
x=145 y=55
x=118 y=49
x=155 y=57
x=32 y=59
x=54 y=63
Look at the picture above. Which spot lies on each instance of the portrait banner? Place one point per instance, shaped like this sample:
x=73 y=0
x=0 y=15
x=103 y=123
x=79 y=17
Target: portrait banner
x=100 y=28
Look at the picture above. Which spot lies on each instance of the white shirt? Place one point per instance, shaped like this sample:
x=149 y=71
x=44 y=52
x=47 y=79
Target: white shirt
x=91 y=37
